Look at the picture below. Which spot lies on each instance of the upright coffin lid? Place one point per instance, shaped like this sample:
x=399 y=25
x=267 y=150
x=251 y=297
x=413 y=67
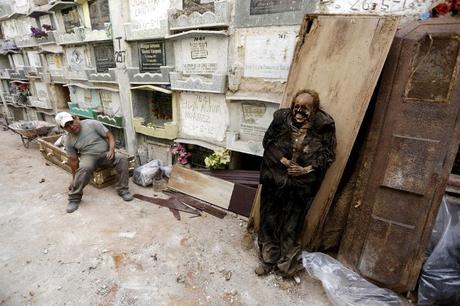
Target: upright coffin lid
x=341 y=57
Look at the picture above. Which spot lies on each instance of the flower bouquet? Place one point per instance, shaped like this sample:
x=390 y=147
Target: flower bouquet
x=180 y=154
x=37 y=32
x=218 y=160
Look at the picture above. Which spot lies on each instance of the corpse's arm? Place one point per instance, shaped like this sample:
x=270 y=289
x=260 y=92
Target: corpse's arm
x=326 y=155
x=273 y=133
x=270 y=135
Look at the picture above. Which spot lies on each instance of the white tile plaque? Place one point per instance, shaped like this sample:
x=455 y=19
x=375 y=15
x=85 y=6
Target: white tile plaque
x=34 y=59
x=148 y=12
x=201 y=55
x=203 y=116
x=269 y=55
x=42 y=90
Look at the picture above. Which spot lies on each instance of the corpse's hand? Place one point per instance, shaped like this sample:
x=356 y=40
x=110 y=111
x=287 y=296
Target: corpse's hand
x=285 y=161
x=295 y=169
x=110 y=155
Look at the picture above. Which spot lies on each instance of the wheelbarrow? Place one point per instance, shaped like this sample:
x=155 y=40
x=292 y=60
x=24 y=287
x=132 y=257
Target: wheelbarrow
x=30 y=130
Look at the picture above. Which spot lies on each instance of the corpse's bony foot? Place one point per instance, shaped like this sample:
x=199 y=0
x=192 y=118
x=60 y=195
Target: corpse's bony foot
x=263 y=269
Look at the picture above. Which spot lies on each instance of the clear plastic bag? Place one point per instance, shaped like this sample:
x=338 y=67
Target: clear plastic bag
x=345 y=287
x=145 y=174
x=166 y=170
x=440 y=278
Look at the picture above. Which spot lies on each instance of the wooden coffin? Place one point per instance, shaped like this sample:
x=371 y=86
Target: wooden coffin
x=58 y=156
x=408 y=157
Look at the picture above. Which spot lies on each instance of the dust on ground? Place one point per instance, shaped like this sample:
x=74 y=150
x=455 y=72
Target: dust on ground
x=111 y=252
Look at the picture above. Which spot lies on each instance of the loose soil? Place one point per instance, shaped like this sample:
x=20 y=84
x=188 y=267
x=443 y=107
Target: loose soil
x=111 y=252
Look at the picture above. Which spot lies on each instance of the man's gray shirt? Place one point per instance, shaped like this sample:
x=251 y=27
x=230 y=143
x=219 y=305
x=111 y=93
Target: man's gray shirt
x=89 y=141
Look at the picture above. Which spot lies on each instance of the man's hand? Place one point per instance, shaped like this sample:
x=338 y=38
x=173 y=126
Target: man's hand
x=111 y=141
x=110 y=154
x=71 y=186
x=295 y=170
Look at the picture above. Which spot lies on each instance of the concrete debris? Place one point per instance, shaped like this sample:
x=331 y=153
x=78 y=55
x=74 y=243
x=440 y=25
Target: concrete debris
x=230 y=296
x=92 y=268
x=180 y=278
x=103 y=290
x=297 y=279
x=285 y=284
x=129 y=235
x=66 y=263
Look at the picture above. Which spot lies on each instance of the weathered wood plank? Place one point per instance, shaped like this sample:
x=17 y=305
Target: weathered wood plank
x=341 y=57
x=198 y=204
x=254 y=217
x=201 y=186
x=242 y=199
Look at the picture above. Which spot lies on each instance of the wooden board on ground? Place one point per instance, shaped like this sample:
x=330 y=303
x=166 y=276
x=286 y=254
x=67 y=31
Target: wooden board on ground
x=341 y=57
x=242 y=199
x=195 y=203
x=207 y=188
x=234 y=197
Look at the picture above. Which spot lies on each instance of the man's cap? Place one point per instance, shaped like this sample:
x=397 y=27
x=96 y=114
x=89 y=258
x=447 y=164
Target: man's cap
x=62 y=118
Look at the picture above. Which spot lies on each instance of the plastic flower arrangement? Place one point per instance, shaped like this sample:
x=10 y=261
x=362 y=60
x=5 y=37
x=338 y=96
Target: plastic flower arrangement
x=22 y=87
x=219 y=159
x=178 y=151
x=37 y=32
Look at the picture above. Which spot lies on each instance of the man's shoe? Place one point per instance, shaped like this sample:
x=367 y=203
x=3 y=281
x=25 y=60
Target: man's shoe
x=126 y=196
x=72 y=206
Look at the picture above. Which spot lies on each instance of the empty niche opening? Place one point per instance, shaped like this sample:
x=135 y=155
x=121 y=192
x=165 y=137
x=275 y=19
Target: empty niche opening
x=160 y=108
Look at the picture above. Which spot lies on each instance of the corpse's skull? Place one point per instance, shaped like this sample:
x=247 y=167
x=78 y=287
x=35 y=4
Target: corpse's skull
x=303 y=109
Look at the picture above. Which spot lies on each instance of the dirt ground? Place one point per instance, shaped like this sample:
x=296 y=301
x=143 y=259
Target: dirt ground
x=111 y=252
